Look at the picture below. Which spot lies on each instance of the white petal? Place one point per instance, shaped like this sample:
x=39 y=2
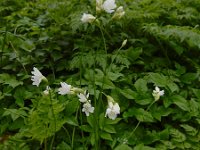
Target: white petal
x=161 y=93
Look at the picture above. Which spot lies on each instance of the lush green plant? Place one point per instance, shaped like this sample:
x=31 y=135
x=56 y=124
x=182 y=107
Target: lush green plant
x=161 y=50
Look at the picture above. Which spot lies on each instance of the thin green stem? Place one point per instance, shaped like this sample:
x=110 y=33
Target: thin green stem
x=133 y=131
x=74 y=130
x=18 y=56
x=52 y=141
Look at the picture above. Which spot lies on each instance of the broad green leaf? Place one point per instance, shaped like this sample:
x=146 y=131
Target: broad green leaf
x=180 y=102
x=123 y=147
x=158 y=79
x=142 y=147
x=71 y=120
x=188 y=78
x=141 y=85
x=109 y=128
x=86 y=128
x=106 y=136
x=128 y=93
x=140 y=114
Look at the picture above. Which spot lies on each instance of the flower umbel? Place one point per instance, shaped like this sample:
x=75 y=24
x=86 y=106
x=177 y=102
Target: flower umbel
x=37 y=77
x=87 y=18
x=65 y=89
x=87 y=108
x=157 y=93
x=113 y=110
x=83 y=97
x=109 y=6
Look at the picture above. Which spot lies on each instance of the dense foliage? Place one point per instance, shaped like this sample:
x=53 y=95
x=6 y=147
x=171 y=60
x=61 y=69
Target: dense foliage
x=162 y=50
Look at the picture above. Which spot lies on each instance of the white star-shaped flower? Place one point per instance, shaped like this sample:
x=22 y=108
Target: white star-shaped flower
x=87 y=18
x=157 y=93
x=64 y=89
x=113 y=110
x=83 y=97
x=87 y=108
x=37 y=76
x=109 y=6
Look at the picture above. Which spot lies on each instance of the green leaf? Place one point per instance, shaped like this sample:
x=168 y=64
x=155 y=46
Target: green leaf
x=196 y=92
x=158 y=79
x=141 y=85
x=180 y=102
x=71 y=120
x=177 y=135
x=140 y=114
x=188 y=78
x=189 y=129
x=86 y=128
x=142 y=147
x=109 y=128
x=106 y=136
x=10 y=80
x=123 y=147
x=128 y=93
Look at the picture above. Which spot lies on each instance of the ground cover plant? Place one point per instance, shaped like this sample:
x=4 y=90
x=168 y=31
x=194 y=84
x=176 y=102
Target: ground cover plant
x=104 y=74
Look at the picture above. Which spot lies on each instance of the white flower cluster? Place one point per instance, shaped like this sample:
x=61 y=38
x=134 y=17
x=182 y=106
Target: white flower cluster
x=87 y=107
x=157 y=93
x=113 y=108
x=63 y=90
x=108 y=6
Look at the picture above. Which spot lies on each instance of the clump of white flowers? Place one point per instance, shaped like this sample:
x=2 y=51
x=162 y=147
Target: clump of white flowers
x=109 y=6
x=113 y=108
x=37 y=77
x=87 y=107
x=157 y=93
x=87 y=18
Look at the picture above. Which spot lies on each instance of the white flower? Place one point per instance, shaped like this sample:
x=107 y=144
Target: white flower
x=37 y=76
x=113 y=110
x=83 y=97
x=87 y=18
x=99 y=5
x=119 y=13
x=109 y=6
x=46 y=92
x=157 y=93
x=87 y=108
x=64 y=89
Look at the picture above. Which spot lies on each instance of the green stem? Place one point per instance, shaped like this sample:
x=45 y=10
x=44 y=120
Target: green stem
x=74 y=130
x=140 y=121
x=52 y=141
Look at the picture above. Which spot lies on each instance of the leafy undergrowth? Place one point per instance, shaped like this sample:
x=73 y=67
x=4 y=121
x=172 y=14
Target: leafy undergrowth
x=141 y=59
